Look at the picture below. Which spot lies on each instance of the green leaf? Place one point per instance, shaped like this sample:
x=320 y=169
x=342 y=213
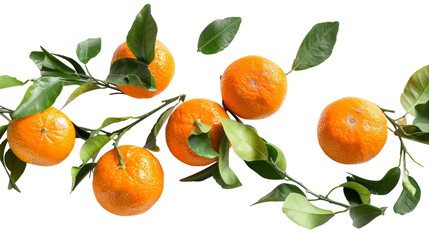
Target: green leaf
x=407 y=185
x=364 y=214
x=3 y=129
x=47 y=69
x=38 y=58
x=218 y=35
x=79 y=173
x=151 y=138
x=129 y=71
x=8 y=81
x=39 y=97
x=92 y=146
x=84 y=88
x=112 y=120
x=302 y=212
x=414 y=133
x=317 y=45
x=2 y=160
x=407 y=202
x=15 y=165
x=75 y=65
x=227 y=178
x=142 y=36
x=363 y=192
x=382 y=186
x=416 y=90
x=201 y=175
x=246 y=143
x=274 y=167
x=51 y=60
x=199 y=141
x=352 y=197
x=422 y=116
x=81 y=133
x=88 y=49
x=280 y=193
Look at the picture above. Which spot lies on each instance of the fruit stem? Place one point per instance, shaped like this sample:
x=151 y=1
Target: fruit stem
x=233 y=114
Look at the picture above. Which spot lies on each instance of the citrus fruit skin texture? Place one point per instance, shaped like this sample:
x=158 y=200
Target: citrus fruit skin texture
x=181 y=124
x=352 y=130
x=162 y=68
x=131 y=190
x=253 y=87
x=44 y=139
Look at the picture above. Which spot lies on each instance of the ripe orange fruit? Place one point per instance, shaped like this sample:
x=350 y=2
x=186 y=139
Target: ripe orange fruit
x=181 y=124
x=253 y=87
x=352 y=130
x=161 y=67
x=44 y=139
x=131 y=190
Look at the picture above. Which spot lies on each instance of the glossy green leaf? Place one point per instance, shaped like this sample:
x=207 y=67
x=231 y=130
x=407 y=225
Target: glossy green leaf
x=88 y=49
x=382 y=186
x=39 y=97
x=218 y=35
x=302 y=212
x=407 y=202
x=364 y=214
x=47 y=69
x=15 y=165
x=199 y=141
x=274 y=167
x=280 y=193
x=3 y=129
x=317 y=45
x=8 y=81
x=352 y=197
x=422 y=116
x=84 y=88
x=363 y=193
x=228 y=179
x=77 y=67
x=246 y=143
x=2 y=160
x=79 y=173
x=416 y=90
x=142 y=36
x=407 y=185
x=201 y=175
x=92 y=146
x=151 y=138
x=38 y=58
x=129 y=71
x=414 y=133
x=56 y=63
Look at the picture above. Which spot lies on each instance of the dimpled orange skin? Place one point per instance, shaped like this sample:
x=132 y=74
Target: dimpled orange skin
x=181 y=124
x=253 y=87
x=131 y=190
x=44 y=139
x=352 y=130
x=162 y=68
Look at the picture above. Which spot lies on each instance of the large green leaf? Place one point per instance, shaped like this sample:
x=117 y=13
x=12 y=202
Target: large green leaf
x=39 y=97
x=199 y=141
x=280 y=193
x=88 y=49
x=8 y=81
x=317 y=45
x=364 y=214
x=227 y=178
x=15 y=165
x=84 y=88
x=274 y=167
x=382 y=186
x=92 y=146
x=201 y=175
x=246 y=143
x=79 y=173
x=142 y=36
x=407 y=202
x=218 y=35
x=416 y=90
x=129 y=71
x=302 y=212
x=422 y=116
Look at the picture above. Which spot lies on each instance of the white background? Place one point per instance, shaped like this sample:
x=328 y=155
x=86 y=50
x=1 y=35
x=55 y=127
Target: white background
x=380 y=45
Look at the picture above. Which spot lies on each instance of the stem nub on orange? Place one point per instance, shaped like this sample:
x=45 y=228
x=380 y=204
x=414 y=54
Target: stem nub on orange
x=253 y=87
x=352 y=130
x=181 y=124
x=131 y=190
x=44 y=139
x=162 y=68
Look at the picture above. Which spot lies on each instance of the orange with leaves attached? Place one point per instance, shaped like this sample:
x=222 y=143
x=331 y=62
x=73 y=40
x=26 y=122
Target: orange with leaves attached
x=352 y=130
x=162 y=68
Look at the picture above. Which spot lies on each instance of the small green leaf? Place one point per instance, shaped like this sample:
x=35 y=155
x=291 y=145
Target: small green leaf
x=416 y=90
x=201 y=175
x=364 y=214
x=274 y=167
x=317 y=45
x=75 y=64
x=246 y=143
x=422 y=116
x=151 y=138
x=407 y=185
x=382 y=186
x=129 y=71
x=92 y=146
x=79 y=173
x=15 y=166
x=84 y=88
x=414 y=133
x=228 y=179
x=199 y=141
x=81 y=133
x=39 y=97
x=8 y=81
x=280 y=193
x=406 y=202
x=302 y=212
x=2 y=160
x=218 y=35
x=362 y=191
x=142 y=36
x=3 y=129
x=51 y=60
x=88 y=49
x=38 y=58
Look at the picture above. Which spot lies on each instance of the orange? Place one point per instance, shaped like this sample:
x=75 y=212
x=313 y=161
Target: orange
x=253 y=87
x=44 y=139
x=131 y=190
x=181 y=124
x=352 y=130
x=161 y=67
